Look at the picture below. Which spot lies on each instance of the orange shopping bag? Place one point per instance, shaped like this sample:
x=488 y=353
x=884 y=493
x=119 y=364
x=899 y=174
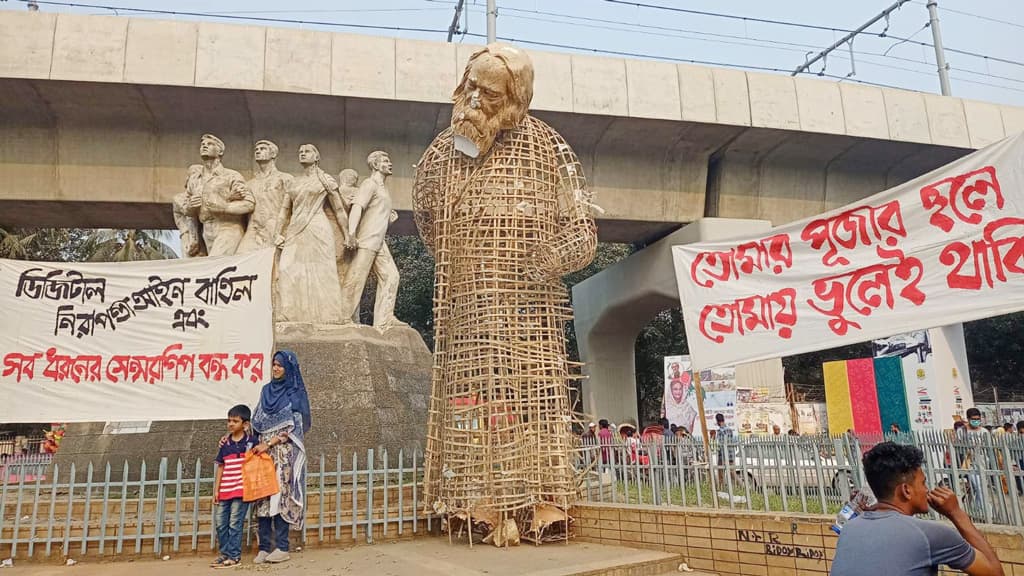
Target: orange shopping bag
x=259 y=477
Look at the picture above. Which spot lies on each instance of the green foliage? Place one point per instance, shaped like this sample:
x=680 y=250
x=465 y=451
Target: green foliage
x=995 y=353
x=43 y=245
x=127 y=246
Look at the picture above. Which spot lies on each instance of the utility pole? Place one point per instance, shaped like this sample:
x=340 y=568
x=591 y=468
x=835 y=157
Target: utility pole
x=849 y=37
x=455 y=21
x=492 y=21
x=940 y=56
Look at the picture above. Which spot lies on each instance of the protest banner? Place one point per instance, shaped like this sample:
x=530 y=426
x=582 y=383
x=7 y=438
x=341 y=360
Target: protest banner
x=156 y=340
x=943 y=248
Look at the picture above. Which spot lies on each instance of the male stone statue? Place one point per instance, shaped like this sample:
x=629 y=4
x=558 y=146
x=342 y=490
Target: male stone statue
x=368 y=219
x=189 y=231
x=501 y=201
x=268 y=186
x=218 y=197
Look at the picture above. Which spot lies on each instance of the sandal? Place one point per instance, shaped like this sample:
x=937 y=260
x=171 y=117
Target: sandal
x=227 y=563
x=219 y=561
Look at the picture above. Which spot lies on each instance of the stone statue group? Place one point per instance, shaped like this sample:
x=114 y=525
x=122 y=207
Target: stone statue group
x=331 y=236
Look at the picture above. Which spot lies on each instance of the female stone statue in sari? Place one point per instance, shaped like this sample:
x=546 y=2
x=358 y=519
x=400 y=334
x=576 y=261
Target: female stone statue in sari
x=308 y=269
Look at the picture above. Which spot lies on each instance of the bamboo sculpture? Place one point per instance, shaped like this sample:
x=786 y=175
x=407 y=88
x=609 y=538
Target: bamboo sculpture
x=501 y=201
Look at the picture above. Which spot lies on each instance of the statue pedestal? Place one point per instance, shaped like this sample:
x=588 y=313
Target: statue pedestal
x=366 y=390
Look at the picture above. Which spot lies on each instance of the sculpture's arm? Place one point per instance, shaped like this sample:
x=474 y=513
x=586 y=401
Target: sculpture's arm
x=188 y=227
x=283 y=216
x=575 y=244
x=338 y=205
x=241 y=200
x=428 y=191
x=193 y=191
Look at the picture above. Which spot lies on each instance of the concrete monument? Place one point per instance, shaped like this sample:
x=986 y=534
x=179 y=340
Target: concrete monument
x=501 y=201
x=307 y=279
x=378 y=394
x=369 y=215
x=268 y=186
x=189 y=231
x=218 y=198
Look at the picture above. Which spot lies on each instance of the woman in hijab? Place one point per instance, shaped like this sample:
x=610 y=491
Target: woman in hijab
x=282 y=419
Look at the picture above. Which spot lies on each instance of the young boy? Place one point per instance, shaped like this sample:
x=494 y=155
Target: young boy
x=227 y=487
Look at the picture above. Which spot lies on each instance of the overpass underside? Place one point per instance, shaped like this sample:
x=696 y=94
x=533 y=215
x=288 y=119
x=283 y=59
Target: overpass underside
x=93 y=154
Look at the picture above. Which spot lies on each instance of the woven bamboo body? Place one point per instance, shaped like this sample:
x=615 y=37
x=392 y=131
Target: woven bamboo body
x=503 y=229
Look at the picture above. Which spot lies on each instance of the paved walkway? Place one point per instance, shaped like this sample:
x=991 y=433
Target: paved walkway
x=422 y=557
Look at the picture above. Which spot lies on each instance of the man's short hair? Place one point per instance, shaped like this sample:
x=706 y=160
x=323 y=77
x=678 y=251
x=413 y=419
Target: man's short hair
x=719 y=417
x=273 y=147
x=603 y=422
x=375 y=158
x=216 y=141
x=888 y=465
x=1020 y=425
x=973 y=412
x=240 y=411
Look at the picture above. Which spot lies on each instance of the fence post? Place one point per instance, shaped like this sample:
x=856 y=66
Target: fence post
x=415 y=493
x=355 y=494
x=53 y=506
x=124 y=504
x=70 y=512
x=401 y=490
x=337 y=498
x=369 y=496
x=35 y=512
x=17 y=513
x=160 y=509
x=103 y=518
x=387 y=470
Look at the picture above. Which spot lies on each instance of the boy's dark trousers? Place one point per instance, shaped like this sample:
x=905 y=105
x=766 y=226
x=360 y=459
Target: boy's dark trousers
x=230 y=518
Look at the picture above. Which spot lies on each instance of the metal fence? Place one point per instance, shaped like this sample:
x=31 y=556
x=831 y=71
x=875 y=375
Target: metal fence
x=10 y=446
x=48 y=512
x=805 y=474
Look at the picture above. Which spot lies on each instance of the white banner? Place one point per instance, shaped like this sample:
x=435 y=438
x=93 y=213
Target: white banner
x=156 y=340
x=946 y=247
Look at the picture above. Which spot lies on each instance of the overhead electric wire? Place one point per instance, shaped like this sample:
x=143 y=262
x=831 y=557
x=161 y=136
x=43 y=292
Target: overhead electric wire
x=978 y=16
x=806 y=26
x=237 y=17
x=784 y=45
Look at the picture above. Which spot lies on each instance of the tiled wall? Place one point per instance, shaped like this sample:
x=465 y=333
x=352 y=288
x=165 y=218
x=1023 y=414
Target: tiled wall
x=742 y=543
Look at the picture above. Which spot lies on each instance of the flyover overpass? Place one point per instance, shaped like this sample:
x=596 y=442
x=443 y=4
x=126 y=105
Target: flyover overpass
x=100 y=116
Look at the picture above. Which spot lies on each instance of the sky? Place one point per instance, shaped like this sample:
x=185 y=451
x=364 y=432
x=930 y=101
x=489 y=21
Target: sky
x=984 y=27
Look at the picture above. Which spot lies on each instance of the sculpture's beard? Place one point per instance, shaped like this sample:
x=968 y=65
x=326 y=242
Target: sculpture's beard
x=475 y=132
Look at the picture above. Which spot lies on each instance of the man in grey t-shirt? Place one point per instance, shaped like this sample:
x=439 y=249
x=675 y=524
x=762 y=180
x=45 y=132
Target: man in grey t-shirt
x=889 y=539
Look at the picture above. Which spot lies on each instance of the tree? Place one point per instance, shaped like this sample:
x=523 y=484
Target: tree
x=44 y=244
x=127 y=245
x=15 y=244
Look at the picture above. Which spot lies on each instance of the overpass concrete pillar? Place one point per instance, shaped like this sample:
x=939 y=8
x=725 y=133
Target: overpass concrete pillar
x=612 y=307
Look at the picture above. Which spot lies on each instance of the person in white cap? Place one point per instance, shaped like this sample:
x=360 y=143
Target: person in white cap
x=590 y=436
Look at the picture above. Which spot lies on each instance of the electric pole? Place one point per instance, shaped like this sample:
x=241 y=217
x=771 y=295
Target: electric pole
x=940 y=56
x=492 y=21
x=455 y=21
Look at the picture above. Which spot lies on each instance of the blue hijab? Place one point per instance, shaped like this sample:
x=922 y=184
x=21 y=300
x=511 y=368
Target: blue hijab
x=287 y=394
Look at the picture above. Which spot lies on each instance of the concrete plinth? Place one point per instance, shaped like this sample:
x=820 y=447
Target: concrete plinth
x=366 y=390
